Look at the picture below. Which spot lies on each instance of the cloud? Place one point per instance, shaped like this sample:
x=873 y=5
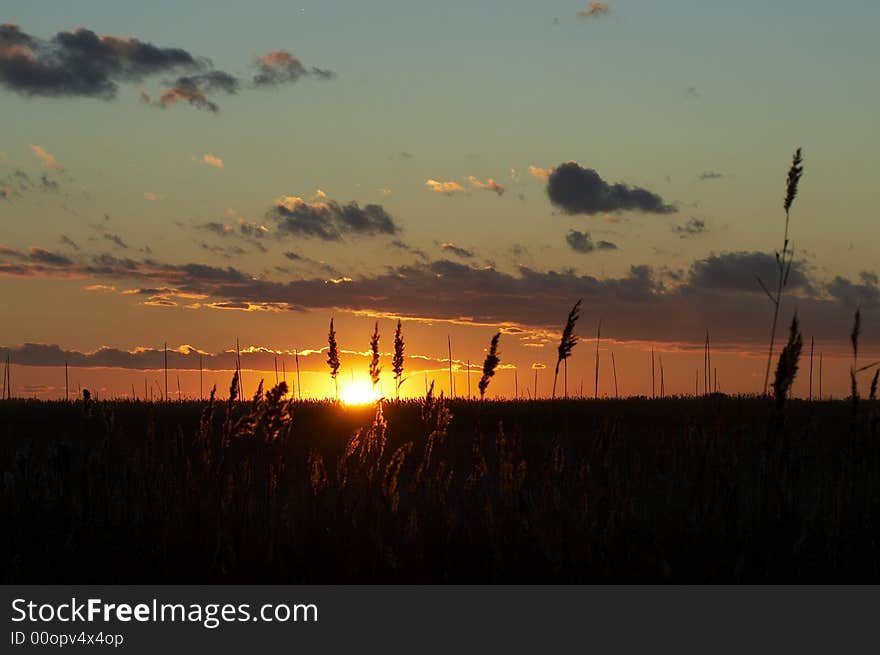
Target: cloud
x=694 y=227
x=457 y=251
x=736 y=271
x=446 y=188
x=280 y=67
x=578 y=190
x=49 y=161
x=865 y=293
x=717 y=293
x=115 y=239
x=594 y=10
x=710 y=175
x=580 y=241
x=194 y=89
x=328 y=220
x=217 y=228
x=540 y=173
x=80 y=62
x=48 y=185
x=43 y=256
x=67 y=241
x=488 y=185
x=153 y=197
x=189 y=358
x=212 y=160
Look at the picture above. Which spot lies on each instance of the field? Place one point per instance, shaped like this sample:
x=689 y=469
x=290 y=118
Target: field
x=714 y=489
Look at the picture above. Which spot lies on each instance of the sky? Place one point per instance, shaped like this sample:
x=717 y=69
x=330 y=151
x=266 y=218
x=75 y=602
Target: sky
x=193 y=173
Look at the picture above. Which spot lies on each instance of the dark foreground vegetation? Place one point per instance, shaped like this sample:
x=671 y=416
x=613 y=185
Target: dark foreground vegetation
x=678 y=490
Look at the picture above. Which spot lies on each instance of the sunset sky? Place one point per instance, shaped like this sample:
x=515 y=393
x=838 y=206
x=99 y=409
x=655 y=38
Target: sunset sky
x=196 y=172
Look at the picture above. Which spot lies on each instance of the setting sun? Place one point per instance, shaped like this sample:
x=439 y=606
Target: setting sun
x=358 y=393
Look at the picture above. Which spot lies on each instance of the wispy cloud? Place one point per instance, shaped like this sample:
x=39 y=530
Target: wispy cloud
x=488 y=185
x=594 y=10
x=693 y=227
x=446 y=188
x=48 y=160
x=212 y=160
x=540 y=173
x=281 y=67
x=457 y=251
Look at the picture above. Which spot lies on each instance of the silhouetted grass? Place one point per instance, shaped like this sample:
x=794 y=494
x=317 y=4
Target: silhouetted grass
x=684 y=490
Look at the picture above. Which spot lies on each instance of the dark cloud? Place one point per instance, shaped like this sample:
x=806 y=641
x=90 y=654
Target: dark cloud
x=115 y=239
x=67 y=241
x=328 y=220
x=710 y=175
x=188 y=358
x=194 y=89
x=84 y=64
x=864 y=293
x=580 y=241
x=48 y=184
x=736 y=271
x=280 y=67
x=217 y=228
x=578 y=190
x=223 y=251
x=694 y=227
x=43 y=256
x=81 y=63
x=457 y=251
x=401 y=245
x=718 y=293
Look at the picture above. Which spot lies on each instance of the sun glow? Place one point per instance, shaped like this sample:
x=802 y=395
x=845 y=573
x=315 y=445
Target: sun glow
x=358 y=393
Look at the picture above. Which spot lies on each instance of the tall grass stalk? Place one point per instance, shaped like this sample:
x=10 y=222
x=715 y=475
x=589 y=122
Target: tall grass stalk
x=375 y=369
x=397 y=360
x=567 y=343
x=783 y=260
x=333 y=357
x=598 y=339
x=489 y=365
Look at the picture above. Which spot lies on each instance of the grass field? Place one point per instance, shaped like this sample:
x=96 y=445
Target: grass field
x=676 y=490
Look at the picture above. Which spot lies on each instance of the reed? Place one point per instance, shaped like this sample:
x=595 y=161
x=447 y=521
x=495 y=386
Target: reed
x=333 y=357
x=786 y=368
x=375 y=369
x=397 y=360
x=783 y=260
x=567 y=343
x=489 y=365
